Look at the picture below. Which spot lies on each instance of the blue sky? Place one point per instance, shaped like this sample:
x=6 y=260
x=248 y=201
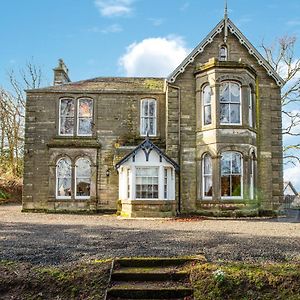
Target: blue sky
x=114 y=37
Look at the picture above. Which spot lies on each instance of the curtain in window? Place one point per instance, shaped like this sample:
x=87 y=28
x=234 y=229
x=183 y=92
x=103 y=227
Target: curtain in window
x=148 y=117
x=64 y=178
x=67 y=116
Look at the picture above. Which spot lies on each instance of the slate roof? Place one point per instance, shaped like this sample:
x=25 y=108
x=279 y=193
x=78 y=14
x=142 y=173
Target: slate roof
x=110 y=84
x=147 y=146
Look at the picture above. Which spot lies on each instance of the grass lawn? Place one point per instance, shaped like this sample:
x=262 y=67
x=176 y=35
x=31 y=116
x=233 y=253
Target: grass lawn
x=88 y=280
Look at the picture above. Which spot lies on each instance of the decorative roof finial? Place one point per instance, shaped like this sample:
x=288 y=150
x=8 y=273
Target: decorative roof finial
x=225 y=11
x=225 y=22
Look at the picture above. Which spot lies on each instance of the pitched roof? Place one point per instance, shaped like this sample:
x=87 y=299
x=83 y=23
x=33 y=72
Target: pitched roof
x=226 y=24
x=147 y=146
x=288 y=183
x=109 y=84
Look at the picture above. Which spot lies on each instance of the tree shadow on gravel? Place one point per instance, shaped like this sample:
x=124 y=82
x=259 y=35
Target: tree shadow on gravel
x=56 y=244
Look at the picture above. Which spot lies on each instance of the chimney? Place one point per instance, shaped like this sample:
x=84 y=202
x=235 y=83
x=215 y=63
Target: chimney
x=61 y=73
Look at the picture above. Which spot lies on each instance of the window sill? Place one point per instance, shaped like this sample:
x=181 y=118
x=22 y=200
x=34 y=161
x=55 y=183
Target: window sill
x=76 y=142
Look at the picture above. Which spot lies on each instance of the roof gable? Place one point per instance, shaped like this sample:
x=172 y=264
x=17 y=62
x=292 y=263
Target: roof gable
x=147 y=146
x=226 y=24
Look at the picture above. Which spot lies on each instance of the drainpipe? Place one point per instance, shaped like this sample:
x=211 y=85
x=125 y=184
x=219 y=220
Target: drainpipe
x=178 y=211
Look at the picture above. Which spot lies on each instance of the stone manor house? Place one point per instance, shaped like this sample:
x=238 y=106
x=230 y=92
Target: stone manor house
x=206 y=139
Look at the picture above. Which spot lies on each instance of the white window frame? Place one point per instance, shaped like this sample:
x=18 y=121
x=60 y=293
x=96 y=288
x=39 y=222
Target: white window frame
x=242 y=177
x=204 y=105
x=78 y=117
x=252 y=170
x=75 y=180
x=158 y=184
x=154 y=117
x=166 y=183
x=240 y=103
x=204 y=197
x=56 y=181
x=59 y=117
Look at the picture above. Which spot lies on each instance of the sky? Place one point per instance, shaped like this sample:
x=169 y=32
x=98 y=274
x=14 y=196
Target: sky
x=124 y=37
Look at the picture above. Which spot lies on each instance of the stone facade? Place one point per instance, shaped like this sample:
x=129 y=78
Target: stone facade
x=180 y=133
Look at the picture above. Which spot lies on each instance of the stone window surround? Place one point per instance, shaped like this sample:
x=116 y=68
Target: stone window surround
x=73 y=153
x=76 y=116
x=249 y=160
x=73 y=179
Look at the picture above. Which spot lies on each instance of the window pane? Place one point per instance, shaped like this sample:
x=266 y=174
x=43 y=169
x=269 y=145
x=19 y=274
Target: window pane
x=207 y=115
x=236 y=185
x=64 y=168
x=224 y=92
x=235 y=113
x=224 y=113
x=225 y=186
x=64 y=187
x=226 y=163
x=85 y=108
x=83 y=168
x=67 y=107
x=235 y=92
x=67 y=110
x=83 y=186
x=207 y=164
x=145 y=108
x=151 y=108
x=207 y=95
x=208 y=186
x=85 y=126
x=147 y=183
x=151 y=126
x=236 y=163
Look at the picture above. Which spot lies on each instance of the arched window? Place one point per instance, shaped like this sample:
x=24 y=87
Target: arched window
x=66 y=116
x=85 y=116
x=207 y=176
x=230 y=103
x=223 y=53
x=148 y=117
x=231 y=175
x=64 y=178
x=206 y=100
x=82 y=178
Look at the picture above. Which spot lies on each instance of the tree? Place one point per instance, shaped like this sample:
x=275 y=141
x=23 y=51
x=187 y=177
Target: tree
x=281 y=56
x=12 y=116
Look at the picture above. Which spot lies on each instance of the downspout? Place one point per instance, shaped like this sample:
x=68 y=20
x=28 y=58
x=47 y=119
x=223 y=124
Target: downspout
x=178 y=211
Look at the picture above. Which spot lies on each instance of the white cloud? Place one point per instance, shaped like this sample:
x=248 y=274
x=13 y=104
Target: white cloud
x=293 y=174
x=114 y=8
x=154 y=56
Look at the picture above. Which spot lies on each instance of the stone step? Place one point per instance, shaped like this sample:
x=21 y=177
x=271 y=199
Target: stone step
x=149 y=274
x=149 y=290
x=155 y=262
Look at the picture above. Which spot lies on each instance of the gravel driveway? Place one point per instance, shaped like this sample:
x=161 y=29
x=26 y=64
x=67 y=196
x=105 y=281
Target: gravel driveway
x=59 y=238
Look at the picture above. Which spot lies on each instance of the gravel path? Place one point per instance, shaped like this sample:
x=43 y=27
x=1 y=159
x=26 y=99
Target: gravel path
x=60 y=238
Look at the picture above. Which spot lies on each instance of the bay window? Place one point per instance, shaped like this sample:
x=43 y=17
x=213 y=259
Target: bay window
x=206 y=100
x=207 y=176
